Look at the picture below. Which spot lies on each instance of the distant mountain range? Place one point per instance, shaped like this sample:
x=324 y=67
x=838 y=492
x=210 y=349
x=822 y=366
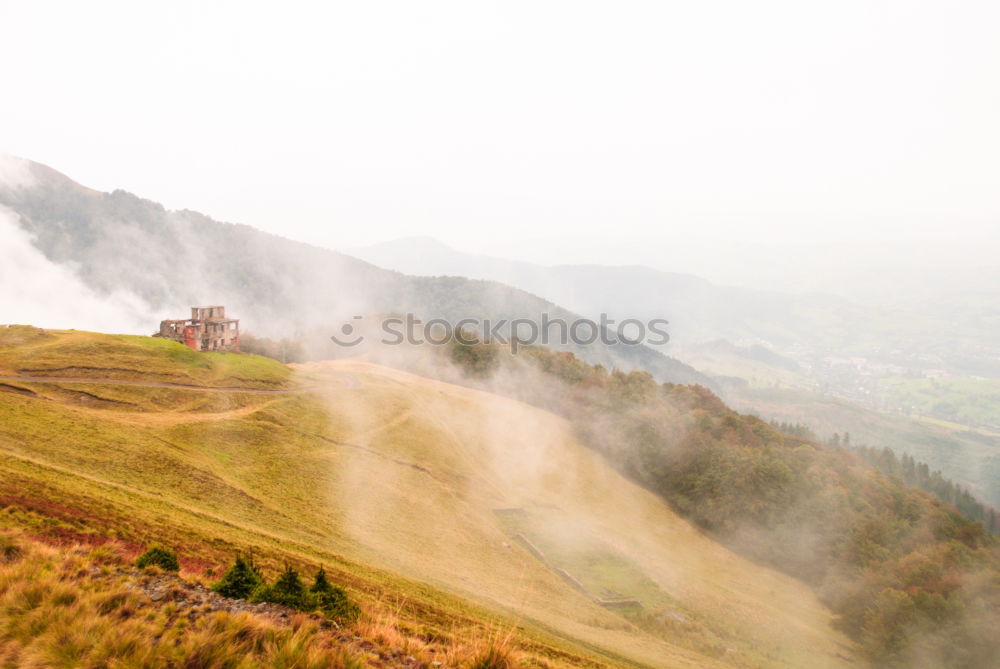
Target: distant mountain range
x=174 y=259
x=700 y=311
x=810 y=328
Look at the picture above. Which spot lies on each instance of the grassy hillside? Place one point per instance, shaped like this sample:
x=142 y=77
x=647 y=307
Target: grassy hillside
x=37 y=353
x=397 y=485
x=911 y=579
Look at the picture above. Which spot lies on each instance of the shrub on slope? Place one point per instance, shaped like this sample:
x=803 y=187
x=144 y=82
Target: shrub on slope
x=164 y=558
x=288 y=591
x=332 y=600
x=240 y=580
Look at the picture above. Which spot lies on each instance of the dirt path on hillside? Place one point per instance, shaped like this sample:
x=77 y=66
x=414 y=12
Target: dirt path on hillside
x=349 y=381
x=169 y=418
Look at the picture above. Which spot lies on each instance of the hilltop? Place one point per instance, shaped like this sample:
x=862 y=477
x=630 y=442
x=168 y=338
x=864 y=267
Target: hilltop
x=440 y=507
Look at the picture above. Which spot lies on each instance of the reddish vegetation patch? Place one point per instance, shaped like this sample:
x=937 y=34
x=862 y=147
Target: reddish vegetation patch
x=196 y=565
x=46 y=508
x=129 y=550
x=64 y=537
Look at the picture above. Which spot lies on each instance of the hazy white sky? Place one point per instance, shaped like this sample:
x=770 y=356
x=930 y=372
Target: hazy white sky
x=485 y=123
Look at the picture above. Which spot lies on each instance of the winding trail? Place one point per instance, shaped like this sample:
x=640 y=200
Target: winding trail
x=349 y=381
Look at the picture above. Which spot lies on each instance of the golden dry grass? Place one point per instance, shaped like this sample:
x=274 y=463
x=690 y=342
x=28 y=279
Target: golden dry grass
x=391 y=482
x=64 y=608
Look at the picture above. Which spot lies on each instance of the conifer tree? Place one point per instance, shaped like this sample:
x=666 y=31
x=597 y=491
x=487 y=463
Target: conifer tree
x=332 y=600
x=240 y=580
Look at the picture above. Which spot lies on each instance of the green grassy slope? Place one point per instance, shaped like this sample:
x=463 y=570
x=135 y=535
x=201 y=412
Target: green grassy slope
x=34 y=352
x=393 y=481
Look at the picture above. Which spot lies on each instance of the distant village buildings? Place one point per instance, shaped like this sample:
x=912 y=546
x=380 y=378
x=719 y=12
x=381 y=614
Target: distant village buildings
x=208 y=329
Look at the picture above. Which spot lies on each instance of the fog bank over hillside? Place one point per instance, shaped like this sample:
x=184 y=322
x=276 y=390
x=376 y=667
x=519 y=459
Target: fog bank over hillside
x=118 y=243
x=917 y=371
x=35 y=290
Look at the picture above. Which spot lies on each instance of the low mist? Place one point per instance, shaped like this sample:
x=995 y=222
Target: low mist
x=36 y=291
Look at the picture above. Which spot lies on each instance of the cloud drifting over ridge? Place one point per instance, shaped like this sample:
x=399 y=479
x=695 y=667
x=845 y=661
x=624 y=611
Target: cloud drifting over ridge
x=36 y=291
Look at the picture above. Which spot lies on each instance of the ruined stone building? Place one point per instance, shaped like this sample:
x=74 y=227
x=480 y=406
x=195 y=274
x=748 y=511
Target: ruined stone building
x=208 y=329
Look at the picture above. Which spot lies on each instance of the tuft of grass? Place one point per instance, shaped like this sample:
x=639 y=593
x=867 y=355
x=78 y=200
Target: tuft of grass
x=499 y=653
x=10 y=550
